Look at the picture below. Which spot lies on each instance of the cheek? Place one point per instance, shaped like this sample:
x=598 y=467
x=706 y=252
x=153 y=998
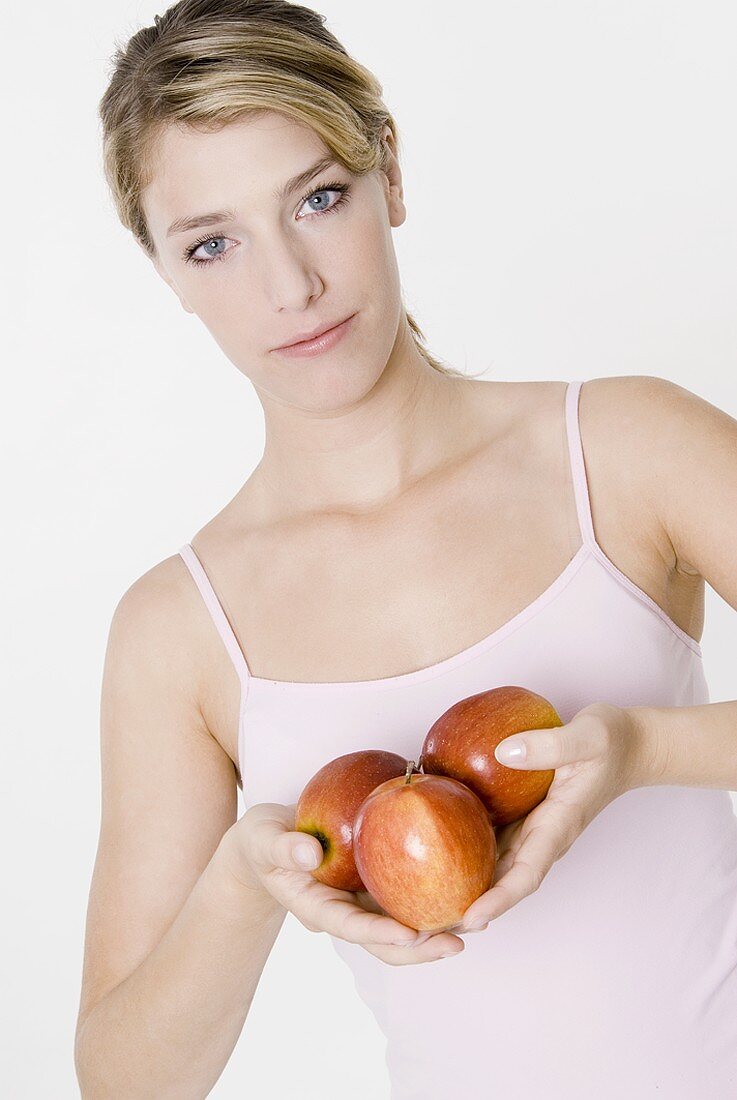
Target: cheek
x=365 y=253
x=211 y=293
x=228 y=312
x=231 y=317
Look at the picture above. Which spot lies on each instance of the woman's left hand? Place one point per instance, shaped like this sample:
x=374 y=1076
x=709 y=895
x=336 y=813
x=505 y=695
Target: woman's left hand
x=596 y=758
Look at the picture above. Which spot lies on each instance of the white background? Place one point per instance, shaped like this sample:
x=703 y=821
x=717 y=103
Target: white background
x=570 y=179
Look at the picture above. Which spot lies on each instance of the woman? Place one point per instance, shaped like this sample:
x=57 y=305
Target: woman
x=400 y=512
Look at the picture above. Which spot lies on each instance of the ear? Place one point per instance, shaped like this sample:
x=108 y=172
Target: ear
x=393 y=174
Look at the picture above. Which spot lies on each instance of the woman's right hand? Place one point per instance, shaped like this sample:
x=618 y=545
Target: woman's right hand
x=261 y=852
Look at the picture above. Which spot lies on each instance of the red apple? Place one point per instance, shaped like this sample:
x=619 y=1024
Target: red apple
x=461 y=745
x=328 y=804
x=425 y=849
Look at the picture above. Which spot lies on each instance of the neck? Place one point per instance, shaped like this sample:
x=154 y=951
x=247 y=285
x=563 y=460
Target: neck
x=357 y=458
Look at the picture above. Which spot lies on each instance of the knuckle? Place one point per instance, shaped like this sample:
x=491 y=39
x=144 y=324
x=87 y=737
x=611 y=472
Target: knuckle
x=606 y=737
x=549 y=743
x=600 y=724
x=395 y=955
x=533 y=874
x=537 y=878
x=564 y=849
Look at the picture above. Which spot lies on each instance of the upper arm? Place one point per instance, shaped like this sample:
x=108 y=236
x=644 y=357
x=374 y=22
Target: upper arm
x=168 y=790
x=692 y=472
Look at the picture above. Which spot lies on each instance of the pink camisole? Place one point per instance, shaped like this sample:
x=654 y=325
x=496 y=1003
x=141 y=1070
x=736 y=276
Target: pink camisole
x=618 y=976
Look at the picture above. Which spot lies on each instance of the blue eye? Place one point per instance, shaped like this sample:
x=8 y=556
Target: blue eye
x=342 y=189
x=189 y=254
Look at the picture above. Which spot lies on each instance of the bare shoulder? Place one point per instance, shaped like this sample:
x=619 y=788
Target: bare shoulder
x=626 y=464
x=167 y=788
x=160 y=613
x=163 y=613
x=684 y=453
x=160 y=597
x=630 y=427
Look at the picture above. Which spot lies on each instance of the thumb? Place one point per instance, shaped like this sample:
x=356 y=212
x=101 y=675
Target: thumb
x=305 y=851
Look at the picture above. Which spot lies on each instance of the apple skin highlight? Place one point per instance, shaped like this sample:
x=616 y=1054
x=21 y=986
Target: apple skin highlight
x=462 y=741
x=328 y=805
x=421 y=843
x=425 y=849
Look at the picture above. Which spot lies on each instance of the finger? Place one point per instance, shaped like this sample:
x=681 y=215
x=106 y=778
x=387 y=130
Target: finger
x=548 y=749
x=536 y=855
x=368 y=901
x=507 y=840
x=438 y=946
x=460 y=928
x=297 y=850
x=504 y=864
x=272 y=844
x=275 y=852
x=328 y=909
x=336 y=912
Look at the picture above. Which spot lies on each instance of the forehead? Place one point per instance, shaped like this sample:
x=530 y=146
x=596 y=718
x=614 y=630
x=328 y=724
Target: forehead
x=193 y=169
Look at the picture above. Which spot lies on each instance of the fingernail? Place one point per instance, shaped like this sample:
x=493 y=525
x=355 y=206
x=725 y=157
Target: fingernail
x=305 y=856
x=510 y=750
x=478 y=925
x=447 y=954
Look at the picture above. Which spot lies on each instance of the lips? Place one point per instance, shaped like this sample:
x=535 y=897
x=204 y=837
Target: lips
x=318 y=345
x=307 y=336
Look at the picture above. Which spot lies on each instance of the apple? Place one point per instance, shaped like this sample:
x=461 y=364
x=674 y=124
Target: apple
x=461 y=744
x=328 y=804
x=425 y=849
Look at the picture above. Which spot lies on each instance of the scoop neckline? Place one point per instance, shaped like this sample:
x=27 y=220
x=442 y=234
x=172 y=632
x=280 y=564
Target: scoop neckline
x=448 y=663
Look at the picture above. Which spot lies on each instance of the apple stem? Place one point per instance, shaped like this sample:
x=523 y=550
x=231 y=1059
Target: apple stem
x=408 y=773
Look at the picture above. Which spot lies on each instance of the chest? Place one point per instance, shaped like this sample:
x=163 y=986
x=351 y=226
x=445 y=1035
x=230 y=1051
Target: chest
x=342 y=600
x=350 y=601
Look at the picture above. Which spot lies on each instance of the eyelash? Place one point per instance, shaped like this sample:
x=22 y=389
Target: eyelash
x=343 y=189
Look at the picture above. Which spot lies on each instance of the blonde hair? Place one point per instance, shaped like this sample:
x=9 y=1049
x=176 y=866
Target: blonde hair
x=205 y=63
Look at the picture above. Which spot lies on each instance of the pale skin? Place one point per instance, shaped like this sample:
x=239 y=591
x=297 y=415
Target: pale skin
x=389 y=494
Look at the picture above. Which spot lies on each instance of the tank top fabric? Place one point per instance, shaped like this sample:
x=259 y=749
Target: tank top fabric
x=618 y=976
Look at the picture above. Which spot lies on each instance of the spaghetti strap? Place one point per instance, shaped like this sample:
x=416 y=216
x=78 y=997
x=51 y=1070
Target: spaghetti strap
x=215 y=608
x=578 y=468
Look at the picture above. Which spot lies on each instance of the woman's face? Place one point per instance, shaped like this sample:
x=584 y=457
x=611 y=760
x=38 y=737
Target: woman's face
x=274 y=264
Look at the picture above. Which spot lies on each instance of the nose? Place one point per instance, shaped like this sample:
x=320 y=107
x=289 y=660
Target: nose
x=291 y=277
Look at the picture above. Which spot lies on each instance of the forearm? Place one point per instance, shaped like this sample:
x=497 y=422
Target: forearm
x=168 y=1030
x=687 y=746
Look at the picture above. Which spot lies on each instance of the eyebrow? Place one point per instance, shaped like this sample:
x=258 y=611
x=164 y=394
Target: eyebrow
x=213 y=217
